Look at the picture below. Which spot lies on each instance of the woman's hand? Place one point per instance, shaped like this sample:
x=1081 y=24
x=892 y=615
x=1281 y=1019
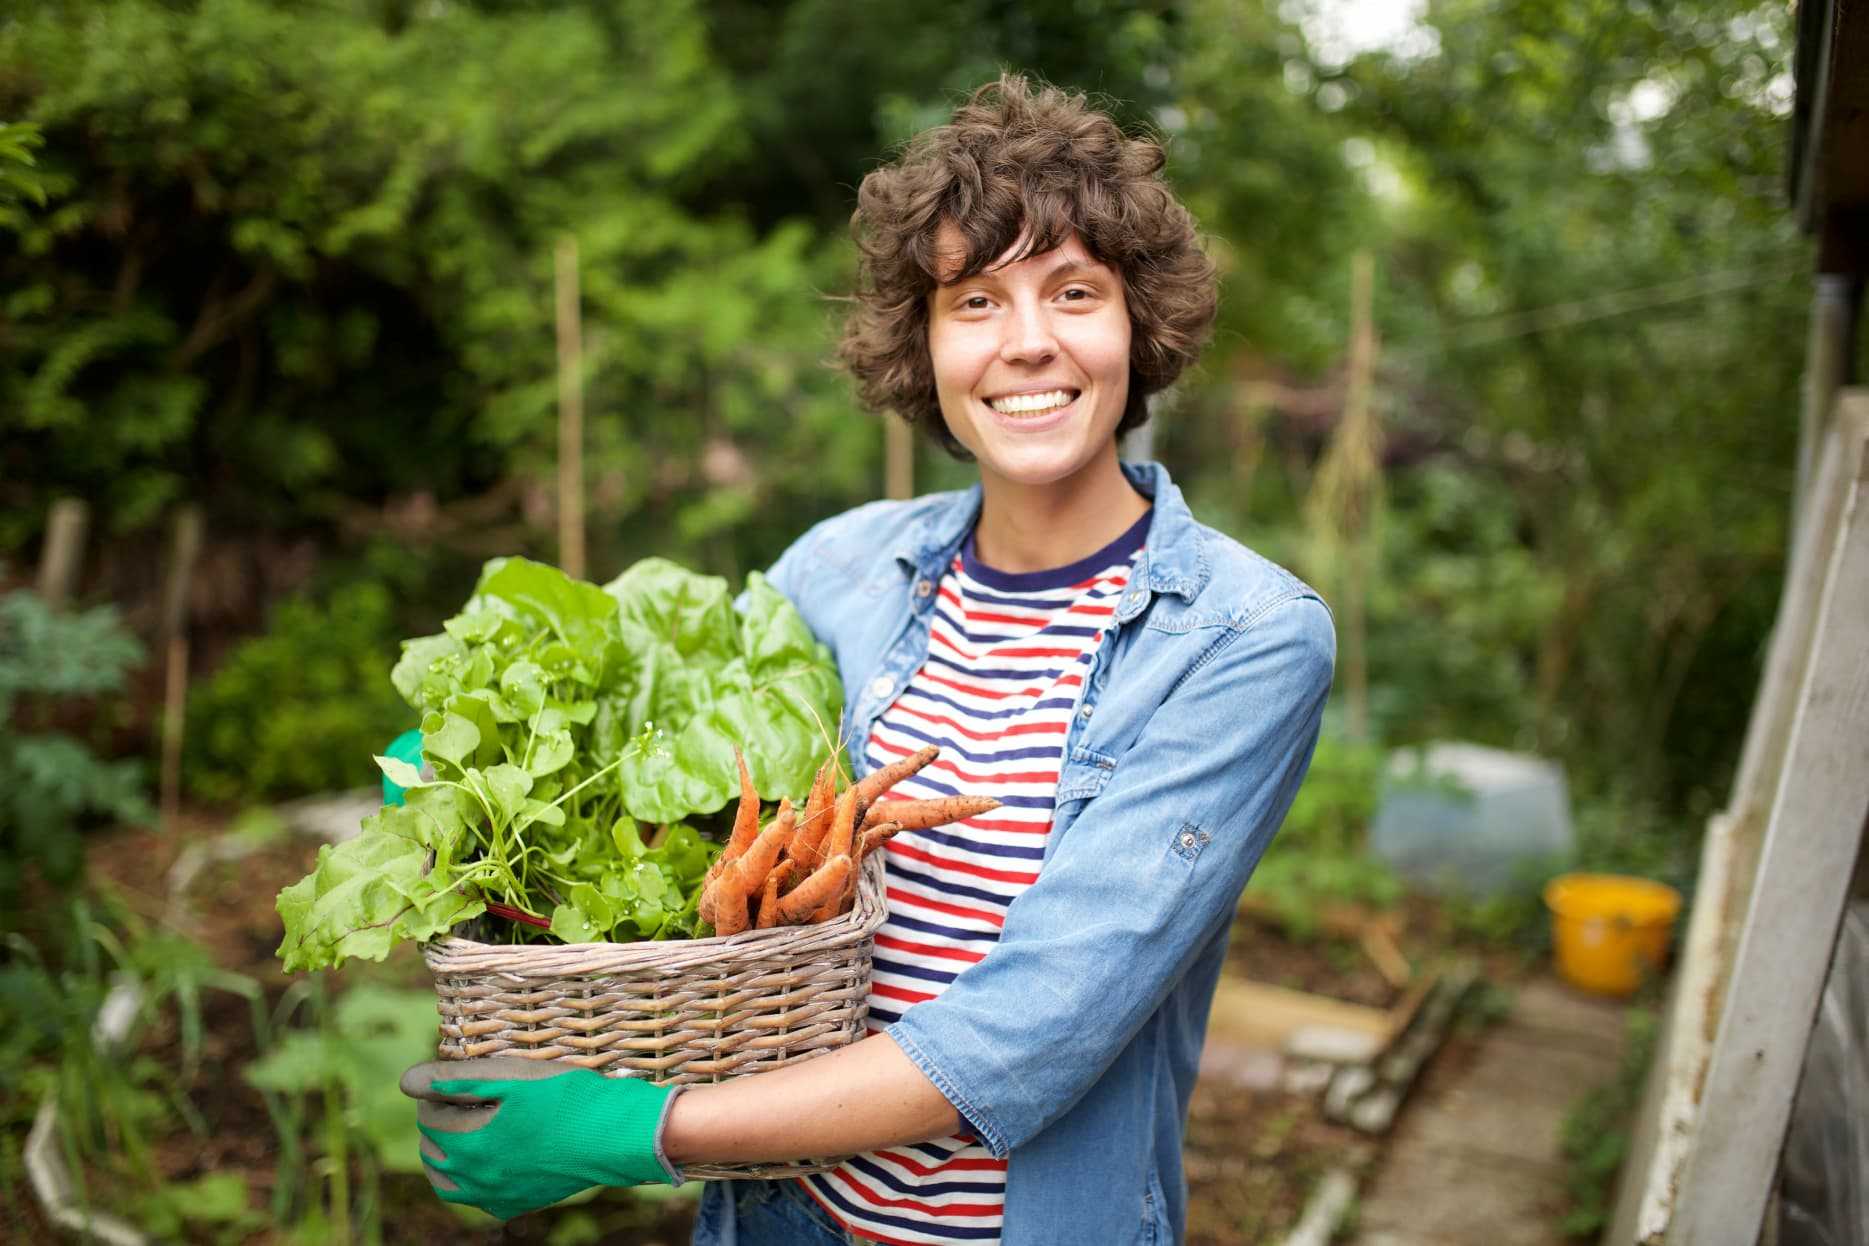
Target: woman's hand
x=510 y=1136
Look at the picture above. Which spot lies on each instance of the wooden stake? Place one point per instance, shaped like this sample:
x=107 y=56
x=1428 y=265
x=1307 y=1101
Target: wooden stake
x=570 y=414
x=184 y=548
x=63 y=551
x=898 y=459
x=1357 y=415
x=1341 y=508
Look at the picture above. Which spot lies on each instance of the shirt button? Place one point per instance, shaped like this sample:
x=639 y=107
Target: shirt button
x=1084 y=711
x=880 y=686
x=1187 y=839
x=923 y=587
x=1134 y=599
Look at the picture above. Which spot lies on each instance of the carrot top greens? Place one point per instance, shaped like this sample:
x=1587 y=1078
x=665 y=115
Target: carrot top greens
x=556 y=717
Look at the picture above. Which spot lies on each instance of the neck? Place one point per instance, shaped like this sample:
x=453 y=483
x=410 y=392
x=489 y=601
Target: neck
x=1026 y=527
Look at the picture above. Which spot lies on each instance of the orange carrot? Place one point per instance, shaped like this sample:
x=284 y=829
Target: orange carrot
x=730 y=916
x=921 y=815
x=749 y=872
x=769 y=899
x=843 y=826
x=815 y=823
x=874 y=784
x=826 y=884
x=876 y=837
x=746 y=817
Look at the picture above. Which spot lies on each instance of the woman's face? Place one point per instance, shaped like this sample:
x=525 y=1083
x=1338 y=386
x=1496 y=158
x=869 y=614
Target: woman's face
x=1031 y=361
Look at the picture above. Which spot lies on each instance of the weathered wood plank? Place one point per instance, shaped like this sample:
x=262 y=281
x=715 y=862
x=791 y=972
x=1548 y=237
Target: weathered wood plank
x=1811 y=843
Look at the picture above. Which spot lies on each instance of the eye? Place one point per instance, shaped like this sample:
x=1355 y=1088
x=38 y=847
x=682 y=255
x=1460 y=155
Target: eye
x=1077 y=294
x=975 y=302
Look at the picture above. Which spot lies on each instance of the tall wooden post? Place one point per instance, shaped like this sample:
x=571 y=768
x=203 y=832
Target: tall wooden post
x=570 y=414
x=1344 y=497
x=184 y=548
x=1360 y=425
x=63 y=550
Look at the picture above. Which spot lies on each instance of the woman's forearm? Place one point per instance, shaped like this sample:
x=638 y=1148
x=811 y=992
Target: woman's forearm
x=859 y=1098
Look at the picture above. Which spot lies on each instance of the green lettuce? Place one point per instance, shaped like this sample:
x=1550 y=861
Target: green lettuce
x=558 y=717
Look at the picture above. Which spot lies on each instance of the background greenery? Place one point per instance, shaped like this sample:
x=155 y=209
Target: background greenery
x=293 y=262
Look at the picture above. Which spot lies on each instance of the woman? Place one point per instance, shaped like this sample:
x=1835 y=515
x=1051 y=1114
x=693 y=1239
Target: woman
x=1142 y=694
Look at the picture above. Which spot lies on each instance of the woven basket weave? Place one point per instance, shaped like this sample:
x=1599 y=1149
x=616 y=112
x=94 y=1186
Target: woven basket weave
x=680 y=1012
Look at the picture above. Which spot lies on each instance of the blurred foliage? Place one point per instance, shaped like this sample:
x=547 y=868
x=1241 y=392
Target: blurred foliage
x=302 y=707
x=1595 y=1132
x=312 y=289
x=53 y=783
x=1320 y=857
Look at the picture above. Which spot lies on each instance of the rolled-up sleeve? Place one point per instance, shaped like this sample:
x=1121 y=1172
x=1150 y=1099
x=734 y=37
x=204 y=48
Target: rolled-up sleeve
x=1150 y=869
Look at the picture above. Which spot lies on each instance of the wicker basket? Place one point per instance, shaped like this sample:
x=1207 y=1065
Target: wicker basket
x=687 y=1011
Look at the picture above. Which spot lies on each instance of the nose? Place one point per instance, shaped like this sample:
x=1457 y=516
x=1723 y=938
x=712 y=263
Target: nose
x=1027 y=337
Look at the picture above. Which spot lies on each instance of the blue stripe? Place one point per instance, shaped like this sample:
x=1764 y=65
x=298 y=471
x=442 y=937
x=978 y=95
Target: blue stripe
x=953 y=889
x=995 y=672
x=899 y=921
x=973 y=593
x=971 y=713
x=861 y=1213
x=942 y=976
x=877 y=1012
x=931 y=1190
x=1017 y=852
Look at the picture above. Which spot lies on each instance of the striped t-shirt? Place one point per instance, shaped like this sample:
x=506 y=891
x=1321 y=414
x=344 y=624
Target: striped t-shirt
x=1007 y=659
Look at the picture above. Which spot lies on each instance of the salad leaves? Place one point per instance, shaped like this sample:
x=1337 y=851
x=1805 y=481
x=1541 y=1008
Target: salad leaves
x=558 y=717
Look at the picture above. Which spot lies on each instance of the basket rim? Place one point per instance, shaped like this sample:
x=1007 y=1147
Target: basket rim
x=859 y=923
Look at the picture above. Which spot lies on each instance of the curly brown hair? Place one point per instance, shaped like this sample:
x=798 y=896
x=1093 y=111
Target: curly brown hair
x=1021 y=165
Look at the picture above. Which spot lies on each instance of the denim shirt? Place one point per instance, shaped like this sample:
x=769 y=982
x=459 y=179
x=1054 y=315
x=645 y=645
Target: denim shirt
x=1073 y=1047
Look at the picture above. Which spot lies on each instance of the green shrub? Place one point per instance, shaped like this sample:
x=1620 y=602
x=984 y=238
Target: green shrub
x=51 y=783
x=1319 y=857
x=1596 y=1130
x=302 y=707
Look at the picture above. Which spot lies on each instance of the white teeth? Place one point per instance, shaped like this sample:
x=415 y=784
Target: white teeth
x=1021 y=404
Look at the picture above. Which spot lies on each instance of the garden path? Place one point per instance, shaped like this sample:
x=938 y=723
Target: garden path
x=1475 y=1159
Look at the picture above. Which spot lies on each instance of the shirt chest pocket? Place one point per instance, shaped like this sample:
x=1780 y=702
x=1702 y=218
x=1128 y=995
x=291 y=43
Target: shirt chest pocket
x=1085 y=774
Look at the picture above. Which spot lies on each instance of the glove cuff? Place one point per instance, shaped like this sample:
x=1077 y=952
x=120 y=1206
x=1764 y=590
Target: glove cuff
x=675 y=1175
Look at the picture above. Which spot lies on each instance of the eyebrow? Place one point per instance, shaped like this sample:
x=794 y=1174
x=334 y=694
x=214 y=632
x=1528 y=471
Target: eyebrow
x=1065 y=267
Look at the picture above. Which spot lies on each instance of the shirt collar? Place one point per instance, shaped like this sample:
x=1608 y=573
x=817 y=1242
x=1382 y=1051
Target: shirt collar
x=1173 y=561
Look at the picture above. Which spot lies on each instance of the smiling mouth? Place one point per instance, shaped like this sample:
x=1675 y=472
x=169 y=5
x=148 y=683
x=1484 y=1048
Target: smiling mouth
x=1033 y=404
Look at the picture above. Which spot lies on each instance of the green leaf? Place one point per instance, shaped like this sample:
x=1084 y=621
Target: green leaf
x=401 y=773
x=364 y=895
x=523 y=686
x=453 y=741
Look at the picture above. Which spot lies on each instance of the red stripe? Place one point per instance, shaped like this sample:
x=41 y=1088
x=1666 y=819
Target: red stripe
x=941 y=906
x=1037 y=653
x=895 y=992
x=982 y=1164
x=929 y=949
x=897 y=847
x=1019 y=620
x=988 y=780
x=913 y=1204
x=1038 y=728
x=1093 y=610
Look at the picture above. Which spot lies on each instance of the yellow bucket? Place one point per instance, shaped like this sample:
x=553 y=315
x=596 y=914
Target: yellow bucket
x=1611 y=930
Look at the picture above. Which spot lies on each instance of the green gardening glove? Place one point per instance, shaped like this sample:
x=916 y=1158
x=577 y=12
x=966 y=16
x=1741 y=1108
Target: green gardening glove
x=510 y=1135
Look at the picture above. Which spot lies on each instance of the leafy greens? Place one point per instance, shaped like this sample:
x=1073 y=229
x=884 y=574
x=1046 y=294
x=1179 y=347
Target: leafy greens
x=557 y=716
